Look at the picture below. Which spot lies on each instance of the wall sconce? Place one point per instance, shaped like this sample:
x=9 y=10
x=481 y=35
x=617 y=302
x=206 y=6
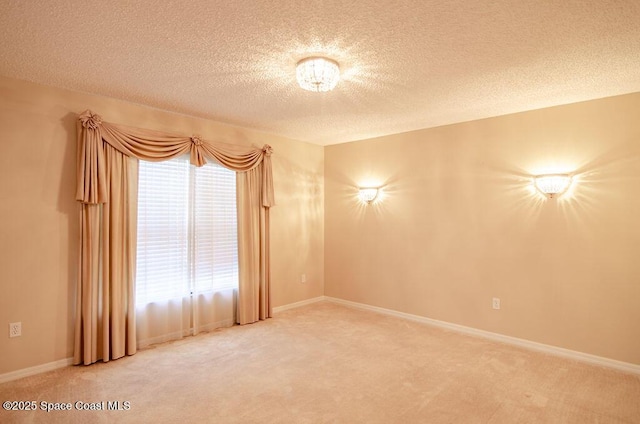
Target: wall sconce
x=368 y=194
x=552 y=184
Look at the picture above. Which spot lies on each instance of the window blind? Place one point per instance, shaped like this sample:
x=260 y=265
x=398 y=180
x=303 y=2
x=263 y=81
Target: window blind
x=187 y=230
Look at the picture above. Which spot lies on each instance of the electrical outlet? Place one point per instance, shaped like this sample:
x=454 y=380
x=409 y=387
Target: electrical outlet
x=496 y=303
x=303 y=278
x=15 y=329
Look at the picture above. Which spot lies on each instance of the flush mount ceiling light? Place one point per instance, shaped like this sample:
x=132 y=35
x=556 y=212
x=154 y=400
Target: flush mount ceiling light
x=317 y=74
x=552 y=184
x=368 y=194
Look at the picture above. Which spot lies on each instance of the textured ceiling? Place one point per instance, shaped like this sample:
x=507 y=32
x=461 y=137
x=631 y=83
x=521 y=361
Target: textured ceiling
x=405 y=65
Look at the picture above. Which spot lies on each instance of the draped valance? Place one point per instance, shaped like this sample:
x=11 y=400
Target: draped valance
x=107 y=176
x=156 y=146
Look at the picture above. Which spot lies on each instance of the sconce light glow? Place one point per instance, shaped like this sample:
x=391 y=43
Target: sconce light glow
x=368 y=194
x=552 y=184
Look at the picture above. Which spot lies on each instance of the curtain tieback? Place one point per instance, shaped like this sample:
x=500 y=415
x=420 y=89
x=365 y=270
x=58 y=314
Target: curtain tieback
x=267 y=150
x=196 y=140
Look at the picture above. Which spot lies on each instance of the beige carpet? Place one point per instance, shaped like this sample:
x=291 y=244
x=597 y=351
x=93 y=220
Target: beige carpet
x=327 y=363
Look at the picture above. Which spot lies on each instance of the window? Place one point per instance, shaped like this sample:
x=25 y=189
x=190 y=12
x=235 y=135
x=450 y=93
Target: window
x=187 y=230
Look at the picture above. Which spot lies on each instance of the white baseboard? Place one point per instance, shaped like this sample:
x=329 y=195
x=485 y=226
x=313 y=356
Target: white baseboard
x=26 y=372
x=527 y=344
x=298 y=304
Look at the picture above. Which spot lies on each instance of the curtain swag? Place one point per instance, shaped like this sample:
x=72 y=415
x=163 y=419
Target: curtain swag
x=107 y=177
x=156 y=146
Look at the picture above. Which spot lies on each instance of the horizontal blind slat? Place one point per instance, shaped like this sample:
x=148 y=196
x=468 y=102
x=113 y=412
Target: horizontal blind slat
x=165 y=211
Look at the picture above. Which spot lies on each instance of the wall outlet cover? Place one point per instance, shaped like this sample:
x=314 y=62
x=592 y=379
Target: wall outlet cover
x=15 y=329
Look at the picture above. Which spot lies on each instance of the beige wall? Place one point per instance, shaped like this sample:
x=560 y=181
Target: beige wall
x=459 y=224
x=39 y=216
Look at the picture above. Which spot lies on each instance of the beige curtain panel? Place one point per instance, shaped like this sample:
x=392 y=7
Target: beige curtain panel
x=107 y=181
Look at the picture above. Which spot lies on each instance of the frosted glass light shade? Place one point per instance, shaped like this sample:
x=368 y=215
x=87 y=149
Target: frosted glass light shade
x=317 y=73
x=368 y=194
x=552 y=184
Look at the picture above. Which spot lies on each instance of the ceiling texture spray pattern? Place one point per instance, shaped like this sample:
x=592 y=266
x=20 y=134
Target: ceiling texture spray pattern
x=405 y=65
